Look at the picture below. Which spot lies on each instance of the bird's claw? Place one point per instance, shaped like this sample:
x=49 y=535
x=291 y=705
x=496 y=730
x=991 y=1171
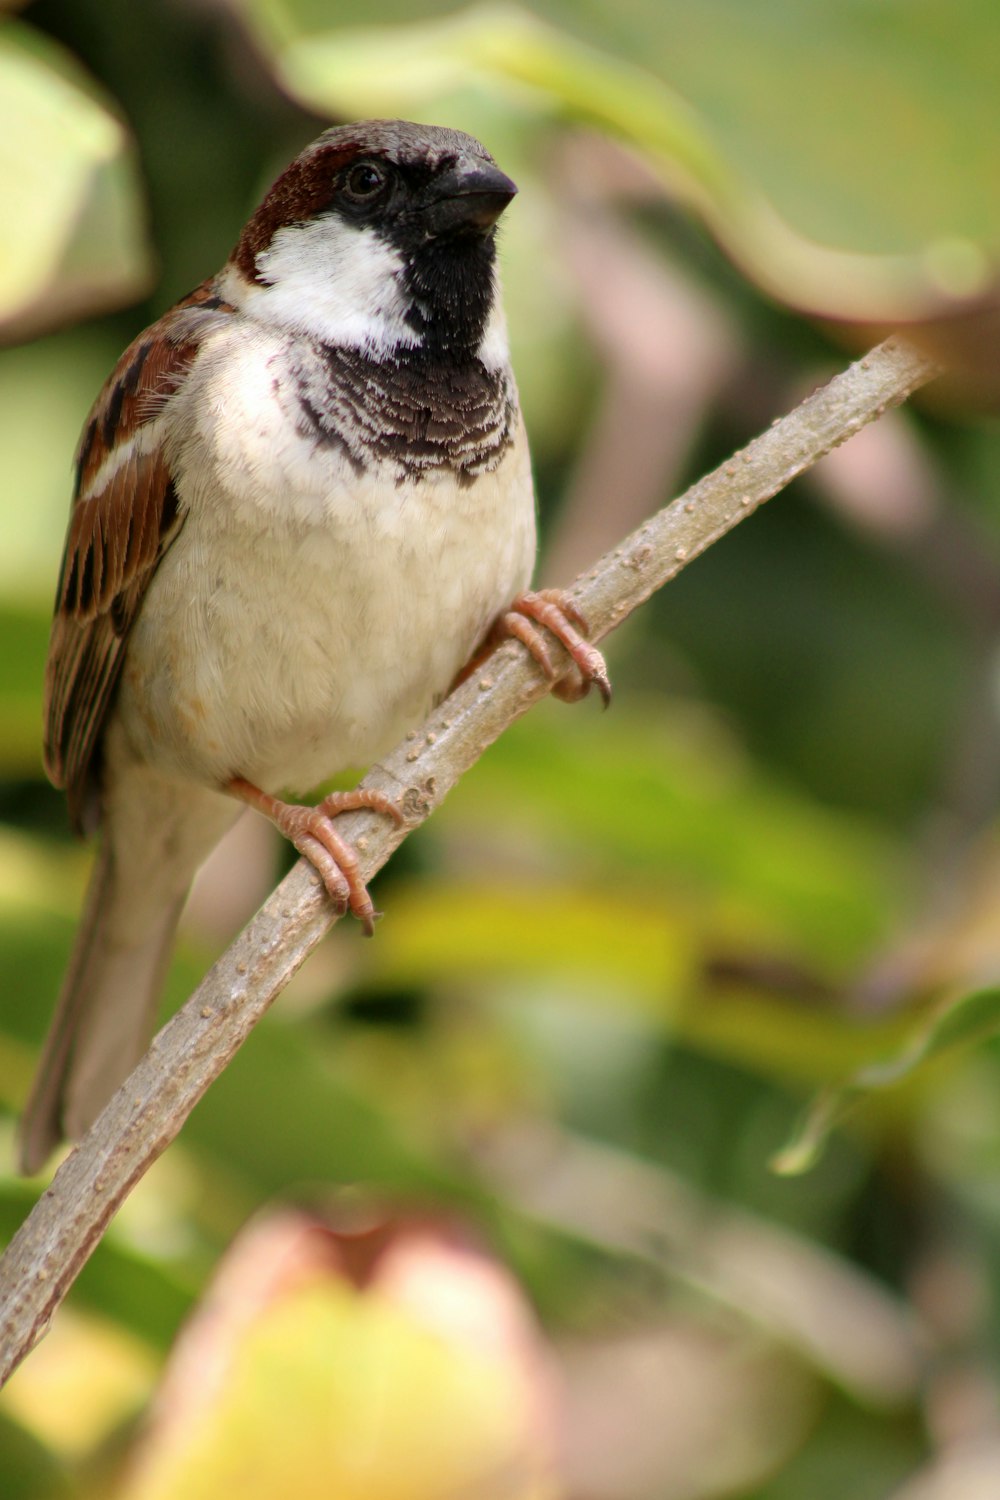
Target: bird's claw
x=557 y=612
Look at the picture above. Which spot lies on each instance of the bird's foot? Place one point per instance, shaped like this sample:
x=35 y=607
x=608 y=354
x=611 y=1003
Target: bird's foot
x=311 y=831
x=555 y=610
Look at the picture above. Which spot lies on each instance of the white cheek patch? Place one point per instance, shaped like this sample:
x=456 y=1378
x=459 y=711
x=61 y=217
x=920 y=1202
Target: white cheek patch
x=336 y=283
x=494 y=350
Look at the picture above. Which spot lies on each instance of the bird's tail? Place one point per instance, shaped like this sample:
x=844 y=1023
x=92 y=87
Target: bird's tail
x=103 y=1019
x=151 y=847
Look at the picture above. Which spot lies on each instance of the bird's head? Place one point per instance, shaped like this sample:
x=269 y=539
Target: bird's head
x=380 y=236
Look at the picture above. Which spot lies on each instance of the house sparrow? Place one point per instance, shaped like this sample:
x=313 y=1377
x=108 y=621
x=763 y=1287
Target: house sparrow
x=303 y=501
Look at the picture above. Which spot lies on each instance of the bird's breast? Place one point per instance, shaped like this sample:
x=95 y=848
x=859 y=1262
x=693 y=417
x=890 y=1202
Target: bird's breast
x=312 y=608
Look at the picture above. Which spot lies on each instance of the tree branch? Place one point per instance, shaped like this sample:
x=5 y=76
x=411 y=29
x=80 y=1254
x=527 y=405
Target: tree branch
x=146 y=1113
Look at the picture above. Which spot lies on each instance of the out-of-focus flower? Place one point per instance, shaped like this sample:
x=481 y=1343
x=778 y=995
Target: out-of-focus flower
x=391 y=1362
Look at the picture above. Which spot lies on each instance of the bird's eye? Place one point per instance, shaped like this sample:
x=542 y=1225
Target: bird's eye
x=364 y=183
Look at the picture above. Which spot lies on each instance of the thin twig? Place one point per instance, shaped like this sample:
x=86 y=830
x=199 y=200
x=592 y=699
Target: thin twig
x=146 y=1113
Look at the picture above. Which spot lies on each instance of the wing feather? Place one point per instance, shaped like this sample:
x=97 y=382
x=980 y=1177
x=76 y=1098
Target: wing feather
x=125 y=515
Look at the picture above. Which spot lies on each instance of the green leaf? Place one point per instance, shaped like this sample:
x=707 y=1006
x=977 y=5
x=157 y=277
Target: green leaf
x=282 y=1113
x=656 y=800
x=68 y=182
x=959 y=1023
x=24 y=637
x=30 y=1471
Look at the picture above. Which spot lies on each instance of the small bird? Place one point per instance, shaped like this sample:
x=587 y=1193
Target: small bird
x=303 y=502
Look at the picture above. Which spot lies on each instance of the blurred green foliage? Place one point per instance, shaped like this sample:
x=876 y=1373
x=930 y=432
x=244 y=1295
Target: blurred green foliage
x=641 y=940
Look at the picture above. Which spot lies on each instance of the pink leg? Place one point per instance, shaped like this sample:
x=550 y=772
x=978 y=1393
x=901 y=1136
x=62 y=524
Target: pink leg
x=555 y=610
x=311 y=831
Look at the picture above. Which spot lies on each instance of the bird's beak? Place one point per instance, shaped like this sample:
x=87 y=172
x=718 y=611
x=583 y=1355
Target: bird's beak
x=470 y=195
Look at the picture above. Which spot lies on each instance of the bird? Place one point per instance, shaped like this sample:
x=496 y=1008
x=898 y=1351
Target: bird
x=303 y=504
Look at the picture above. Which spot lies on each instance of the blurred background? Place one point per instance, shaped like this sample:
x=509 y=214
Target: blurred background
x=651 y=1150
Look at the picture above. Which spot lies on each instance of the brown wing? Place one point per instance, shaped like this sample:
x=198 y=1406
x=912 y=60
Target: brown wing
x=125 y=515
